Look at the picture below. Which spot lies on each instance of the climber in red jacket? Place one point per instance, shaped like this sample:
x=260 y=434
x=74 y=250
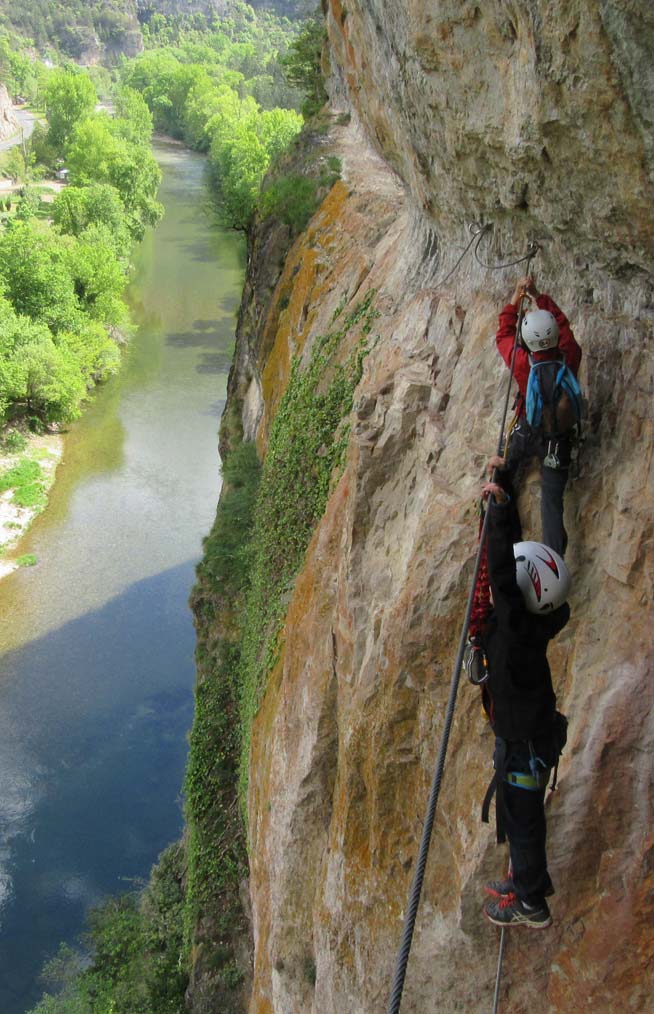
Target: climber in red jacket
x=545 y=335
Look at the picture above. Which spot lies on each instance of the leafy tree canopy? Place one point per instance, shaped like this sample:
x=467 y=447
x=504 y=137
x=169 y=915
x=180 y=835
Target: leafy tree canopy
x=69 y=98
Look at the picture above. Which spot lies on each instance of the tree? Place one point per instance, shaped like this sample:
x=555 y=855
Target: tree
x=15 y=165
x=69 y=98
x=244 y=140
x=302 y=64
x=97 y=275
x=36 y=281
x=76 y=208
x=29 y=204
x=34 y=373
x=133 y=118
x=96 y=154
x=54 y=386
x=276 y=128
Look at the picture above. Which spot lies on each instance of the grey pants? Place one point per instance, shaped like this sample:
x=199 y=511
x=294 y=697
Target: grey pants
x=526 y=444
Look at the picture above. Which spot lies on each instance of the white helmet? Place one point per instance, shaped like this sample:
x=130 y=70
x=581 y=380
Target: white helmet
x=540 y=330
x=542 y=576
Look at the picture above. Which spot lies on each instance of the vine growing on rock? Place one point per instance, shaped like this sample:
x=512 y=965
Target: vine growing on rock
x=216 y=851
x=307 y=443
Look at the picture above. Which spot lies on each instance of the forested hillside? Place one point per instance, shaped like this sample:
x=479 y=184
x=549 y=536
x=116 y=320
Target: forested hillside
x=92 y=31
x=79 y=28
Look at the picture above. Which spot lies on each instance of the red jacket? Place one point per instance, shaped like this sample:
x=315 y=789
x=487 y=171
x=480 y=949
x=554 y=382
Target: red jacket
x=505 y=338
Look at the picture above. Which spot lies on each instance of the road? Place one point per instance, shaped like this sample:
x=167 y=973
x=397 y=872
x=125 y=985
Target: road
x=26 y=119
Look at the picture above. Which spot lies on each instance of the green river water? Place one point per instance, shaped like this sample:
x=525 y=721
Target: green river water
x=96 y=641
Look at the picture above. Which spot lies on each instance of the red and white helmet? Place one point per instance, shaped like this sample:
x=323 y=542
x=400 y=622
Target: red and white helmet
x=540 y=330
x=542 y=576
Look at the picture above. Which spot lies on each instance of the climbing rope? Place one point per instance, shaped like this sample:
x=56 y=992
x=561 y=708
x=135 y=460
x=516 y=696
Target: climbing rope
x=421 y=862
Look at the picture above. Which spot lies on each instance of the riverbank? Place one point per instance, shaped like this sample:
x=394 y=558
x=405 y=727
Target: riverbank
x=30 y=470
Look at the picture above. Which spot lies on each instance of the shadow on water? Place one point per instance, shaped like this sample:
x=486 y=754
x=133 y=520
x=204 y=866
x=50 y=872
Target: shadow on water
x=214 y=362
x=92 y=724
x=216 y=410
x=222 y=332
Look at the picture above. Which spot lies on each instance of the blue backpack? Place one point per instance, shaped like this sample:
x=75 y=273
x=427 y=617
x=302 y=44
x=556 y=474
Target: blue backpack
x=554 y=402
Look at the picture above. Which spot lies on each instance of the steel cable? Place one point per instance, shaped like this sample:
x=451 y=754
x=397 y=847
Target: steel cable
x=421 y=862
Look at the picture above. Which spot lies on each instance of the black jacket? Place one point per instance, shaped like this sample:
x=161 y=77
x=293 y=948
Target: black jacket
x=518 y=694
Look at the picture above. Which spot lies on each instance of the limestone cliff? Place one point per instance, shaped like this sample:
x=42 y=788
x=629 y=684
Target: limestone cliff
x=8 y=122
x=537 y=118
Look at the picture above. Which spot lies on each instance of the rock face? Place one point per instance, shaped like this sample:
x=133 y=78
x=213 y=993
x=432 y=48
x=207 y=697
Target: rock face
x=8 y=122
x=536 y=118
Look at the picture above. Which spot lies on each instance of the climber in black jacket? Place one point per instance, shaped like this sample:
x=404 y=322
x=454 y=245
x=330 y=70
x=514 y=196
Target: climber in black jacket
x=528 y=583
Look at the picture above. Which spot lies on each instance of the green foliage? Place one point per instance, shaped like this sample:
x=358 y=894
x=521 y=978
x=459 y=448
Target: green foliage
x=26 y=481
x=36 y=283
x=29 y=205
x=44 y=151
x=303 y=64
x=137 y=964
x=241 y=151
x=134 y=120
x=216 y=847
x=69 y=98
x=77 y=208
x=306 y=446
x=71 y=26
x=62 y=287
x=26 y=560
x=15 y=165
x=25 y=472
x=99 y=154
x=225 y=559
x=294 y=197
x=53 y=344
x=98 y=277
x=18 y=70
x=202 y=91
x=13 y=442
x=291 y=199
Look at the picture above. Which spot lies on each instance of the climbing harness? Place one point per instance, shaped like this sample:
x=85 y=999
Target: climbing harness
x=421 y=862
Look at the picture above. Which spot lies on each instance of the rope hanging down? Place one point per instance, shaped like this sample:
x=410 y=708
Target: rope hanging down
x=421 y=862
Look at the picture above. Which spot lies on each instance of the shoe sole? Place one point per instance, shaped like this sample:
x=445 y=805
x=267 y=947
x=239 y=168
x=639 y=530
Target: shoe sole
x=520 y=921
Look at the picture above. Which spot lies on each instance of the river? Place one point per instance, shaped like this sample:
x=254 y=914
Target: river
x=97 y=641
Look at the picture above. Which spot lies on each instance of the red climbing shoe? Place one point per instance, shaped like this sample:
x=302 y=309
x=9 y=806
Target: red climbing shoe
x=510 y=911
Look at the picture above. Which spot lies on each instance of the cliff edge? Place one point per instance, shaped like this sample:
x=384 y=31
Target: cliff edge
x=537 y=120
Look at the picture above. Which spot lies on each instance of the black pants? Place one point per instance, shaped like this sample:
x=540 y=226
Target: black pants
x=524 y=444
x=522 y=816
